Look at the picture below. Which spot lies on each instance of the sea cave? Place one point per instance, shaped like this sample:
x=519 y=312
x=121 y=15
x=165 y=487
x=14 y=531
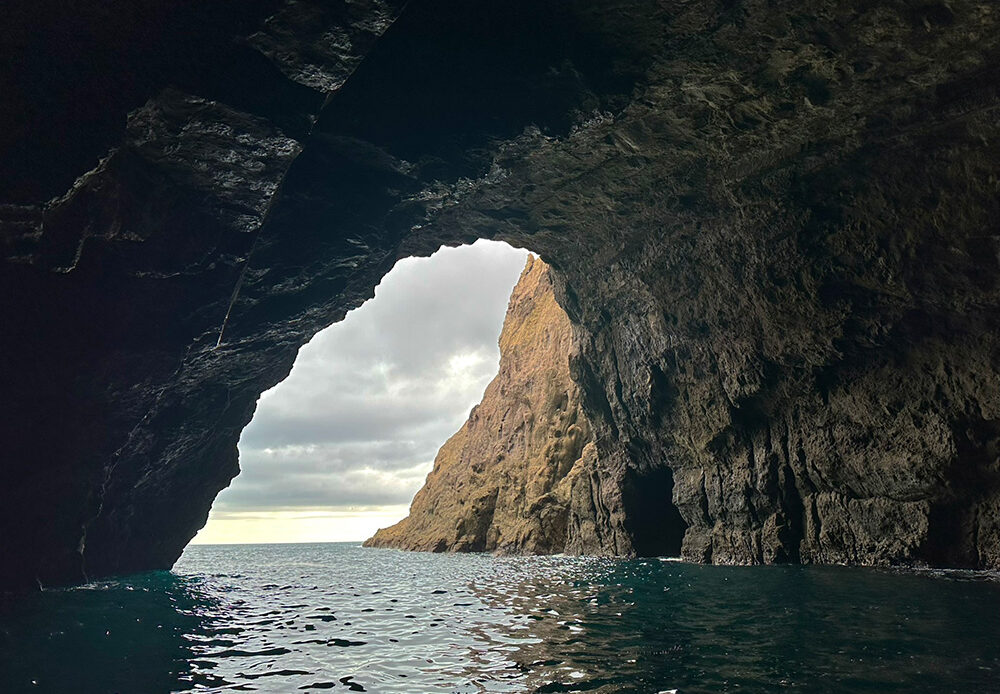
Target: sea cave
x=773 y=229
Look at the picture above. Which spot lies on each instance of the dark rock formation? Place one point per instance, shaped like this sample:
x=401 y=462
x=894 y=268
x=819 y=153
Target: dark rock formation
x=504 y=482
x=773 y=225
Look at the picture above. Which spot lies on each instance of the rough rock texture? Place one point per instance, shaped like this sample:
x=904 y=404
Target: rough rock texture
x=773 y=225
x=503 y=482
x=123 y=398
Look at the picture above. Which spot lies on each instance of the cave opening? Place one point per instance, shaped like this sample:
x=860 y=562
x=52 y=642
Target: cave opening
x=654 y=522
x=954 y=520
x=338 y=449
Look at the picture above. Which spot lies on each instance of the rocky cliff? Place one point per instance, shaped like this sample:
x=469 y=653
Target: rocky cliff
x=504 y=481
x=773 y=226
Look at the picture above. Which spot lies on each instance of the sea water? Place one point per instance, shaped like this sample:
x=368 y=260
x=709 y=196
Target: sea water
x=339 y=617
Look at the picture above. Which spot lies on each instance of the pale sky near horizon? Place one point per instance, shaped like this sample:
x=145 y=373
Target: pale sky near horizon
x=339 y=448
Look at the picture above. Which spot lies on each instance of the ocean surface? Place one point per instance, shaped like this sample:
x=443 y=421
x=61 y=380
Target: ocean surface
x=338 y=617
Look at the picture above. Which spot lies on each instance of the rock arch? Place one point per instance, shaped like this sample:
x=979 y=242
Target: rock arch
x=774 y=227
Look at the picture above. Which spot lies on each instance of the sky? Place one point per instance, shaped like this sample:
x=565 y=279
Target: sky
x=339 y=448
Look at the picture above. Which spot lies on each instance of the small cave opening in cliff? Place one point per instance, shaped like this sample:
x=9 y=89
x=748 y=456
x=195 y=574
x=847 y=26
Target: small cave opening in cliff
x=338 y=449
x=955 y=517
x=655 y=523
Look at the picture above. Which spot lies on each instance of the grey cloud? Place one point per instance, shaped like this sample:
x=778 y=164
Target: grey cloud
x=330 y=476
x=272 y=464
x=426 y=405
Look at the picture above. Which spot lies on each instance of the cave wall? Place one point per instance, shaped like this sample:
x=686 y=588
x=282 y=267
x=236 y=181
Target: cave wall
x=785 y=279
x=774 y=226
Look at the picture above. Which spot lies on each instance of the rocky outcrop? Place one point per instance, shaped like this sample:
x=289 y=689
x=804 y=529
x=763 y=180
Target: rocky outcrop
x=773 y=226
x=503 y=482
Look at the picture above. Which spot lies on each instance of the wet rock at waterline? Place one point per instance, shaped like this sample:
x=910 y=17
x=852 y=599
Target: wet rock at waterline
x=773 y=226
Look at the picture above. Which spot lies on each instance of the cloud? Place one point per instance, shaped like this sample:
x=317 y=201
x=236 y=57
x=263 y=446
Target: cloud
x=339 y=487
x=366 y=402
x=370 y=400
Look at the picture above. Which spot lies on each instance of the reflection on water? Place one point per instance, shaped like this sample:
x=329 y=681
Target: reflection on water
x=280 y=618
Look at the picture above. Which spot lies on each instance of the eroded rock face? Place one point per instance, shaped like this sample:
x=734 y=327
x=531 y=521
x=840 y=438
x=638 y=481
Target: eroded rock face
x=785 y=287
x=504 y=481
x=773 y=226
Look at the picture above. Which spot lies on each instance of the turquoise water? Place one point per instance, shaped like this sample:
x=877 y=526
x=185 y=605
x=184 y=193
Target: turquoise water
x=338 y=617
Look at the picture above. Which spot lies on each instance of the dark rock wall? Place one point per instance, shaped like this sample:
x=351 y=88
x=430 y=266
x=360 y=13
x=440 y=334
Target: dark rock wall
x=773 y=224
x=786 y=279
x=127 y=377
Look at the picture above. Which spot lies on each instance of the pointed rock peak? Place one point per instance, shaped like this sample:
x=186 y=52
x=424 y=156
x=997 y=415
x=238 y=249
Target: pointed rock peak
x=504 y=482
